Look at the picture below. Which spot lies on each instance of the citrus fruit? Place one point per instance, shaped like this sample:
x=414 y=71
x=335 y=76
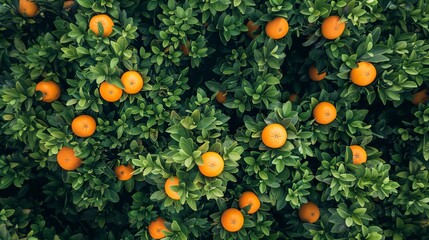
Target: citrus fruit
x=277 y=28
x=104 y=21
x=51 y=90
x=324 y=113
x=251 y=28
x=221 y=97
x=359 y=154
x=213 y=164
x=123 y=172
x=420 y=97
x=172 y=181
x=314 y=74
x=249 y=198
x=156 y=228
x=309 y=212
x=274 y=135
x=232 y=220
x=132 y=81
x=68 y=5
x=110 y=92
x=364 y=74
x=332 y=27
x=67 y=159
x=28 y=8
x=84 y=126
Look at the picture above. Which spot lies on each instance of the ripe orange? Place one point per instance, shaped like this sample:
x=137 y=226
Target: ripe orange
x=84 y=126
x=332 y=27
x=420 y=97
x=251 y=28
x=106 y=23
x=221 y=97
x=277 y=28
x=213 y=164
x=132 y=82
x=232 y=220
x=123 y=172
x=110 y=92
x=28 y=8
x=50 y=89
x=172 y=181
x=67 y=160
x=274 y=135
x=249 y=198
x=309 y=212
x=314 y=74
x=156 y=228
x=324 y=113
x=359 y=154
x=68 y=4
x=364 y=74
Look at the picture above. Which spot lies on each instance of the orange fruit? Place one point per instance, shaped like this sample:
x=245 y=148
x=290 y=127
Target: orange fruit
x=213 y=164
x=274 y=135
x=67 y=5
x=28 y=8
x=249 y=198
x=123 y=172
x=324 y=113
x=314 y=74
x=84 y=126
x=359 y=154
x=172 y=181
x=277 y=28
x=251 y=28
x=232 y=220
x=67 y=160
x=309 y=212
x=185 y=48
x=364 y=74
x=106 y=23
x=110 y=92
x=132 y=82
x=156 y=228
x=221 y=97
x=332 y=27
x=50 y=89
x=420 y=97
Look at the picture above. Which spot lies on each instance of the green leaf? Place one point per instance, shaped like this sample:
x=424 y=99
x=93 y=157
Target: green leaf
x=175 y=226
x=85 y=3
x=186 y=146
x=206 y=123
x=4 y=233
x=349 y=221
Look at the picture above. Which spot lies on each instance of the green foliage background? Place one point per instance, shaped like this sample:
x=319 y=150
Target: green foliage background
x=163 y=130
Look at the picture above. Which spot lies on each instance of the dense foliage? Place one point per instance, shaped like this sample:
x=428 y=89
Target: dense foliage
x=188 y=51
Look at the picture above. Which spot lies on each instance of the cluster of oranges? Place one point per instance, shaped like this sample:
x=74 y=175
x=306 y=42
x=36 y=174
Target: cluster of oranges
x=332 y=28
x=84 y=125
x=231 y=220
x=132 y=81
x=28 y=8
x=273 y=136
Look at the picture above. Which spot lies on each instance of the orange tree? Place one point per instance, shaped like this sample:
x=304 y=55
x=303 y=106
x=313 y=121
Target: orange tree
x=147 y=77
